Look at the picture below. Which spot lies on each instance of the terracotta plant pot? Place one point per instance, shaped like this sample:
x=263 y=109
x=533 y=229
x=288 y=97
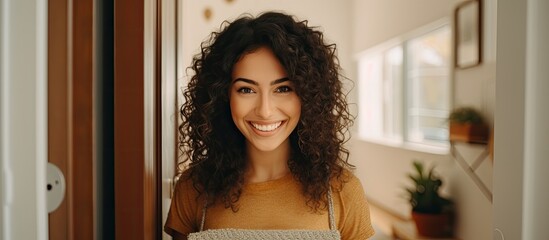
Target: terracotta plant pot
x=467 y=132
x=433 y=225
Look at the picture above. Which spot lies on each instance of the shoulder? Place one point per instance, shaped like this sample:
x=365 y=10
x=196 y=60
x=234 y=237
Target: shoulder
x=349 y=193
x=352 y=209
x=347 y=183
x=185 y=209
x=185 y=185
x=183 y=181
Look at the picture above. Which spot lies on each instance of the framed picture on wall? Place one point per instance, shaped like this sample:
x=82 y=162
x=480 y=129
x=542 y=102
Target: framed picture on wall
x=468 y=34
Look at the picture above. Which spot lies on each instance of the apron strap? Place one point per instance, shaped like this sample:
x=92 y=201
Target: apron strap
x=203 y=217
x=331 y=214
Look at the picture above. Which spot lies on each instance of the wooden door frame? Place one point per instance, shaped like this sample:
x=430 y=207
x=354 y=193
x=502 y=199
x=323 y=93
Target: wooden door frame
x=137 y=120
x=70 y=114
x=137 y=127
x=58 y=110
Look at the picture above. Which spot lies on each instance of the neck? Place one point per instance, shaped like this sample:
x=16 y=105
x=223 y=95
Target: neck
x=265 y=166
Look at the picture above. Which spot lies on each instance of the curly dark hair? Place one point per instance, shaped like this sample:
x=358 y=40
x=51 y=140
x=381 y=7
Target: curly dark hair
x=214 y=148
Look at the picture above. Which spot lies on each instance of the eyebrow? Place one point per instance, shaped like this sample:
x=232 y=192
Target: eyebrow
x=284 y=79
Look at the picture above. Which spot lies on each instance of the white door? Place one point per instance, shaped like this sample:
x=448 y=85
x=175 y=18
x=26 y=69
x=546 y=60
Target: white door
x=169 y=103
x=23 y=119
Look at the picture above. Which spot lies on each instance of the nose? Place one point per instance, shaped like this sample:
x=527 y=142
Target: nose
x=265 y=105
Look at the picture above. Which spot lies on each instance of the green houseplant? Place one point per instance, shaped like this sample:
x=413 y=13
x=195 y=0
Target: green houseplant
x=467 y=125
x=432 y=213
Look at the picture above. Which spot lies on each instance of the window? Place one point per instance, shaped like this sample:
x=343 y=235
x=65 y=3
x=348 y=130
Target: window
x=404 y=89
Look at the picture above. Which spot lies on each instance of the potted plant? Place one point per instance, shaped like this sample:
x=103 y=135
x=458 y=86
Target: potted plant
x=432 y=213
x=467 y=125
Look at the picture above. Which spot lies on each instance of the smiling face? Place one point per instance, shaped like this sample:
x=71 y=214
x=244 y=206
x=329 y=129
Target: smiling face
x=264 y=105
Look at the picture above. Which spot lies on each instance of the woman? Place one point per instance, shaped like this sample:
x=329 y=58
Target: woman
x=263 y=129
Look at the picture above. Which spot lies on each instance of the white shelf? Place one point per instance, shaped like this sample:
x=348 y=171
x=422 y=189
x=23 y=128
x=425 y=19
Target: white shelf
x=470 y=167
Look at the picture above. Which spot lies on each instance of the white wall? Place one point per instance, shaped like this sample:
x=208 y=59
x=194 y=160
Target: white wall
x=521 y=136
x=383 y=169
x=536 y=210
x=509 y=127
x=23 y=99
x=332 y=17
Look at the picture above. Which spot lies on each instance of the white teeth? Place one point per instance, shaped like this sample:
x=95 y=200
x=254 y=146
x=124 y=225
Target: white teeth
x=267 y=128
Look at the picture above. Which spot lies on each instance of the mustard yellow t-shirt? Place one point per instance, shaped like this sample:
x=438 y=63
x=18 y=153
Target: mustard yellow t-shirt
x=278 y=204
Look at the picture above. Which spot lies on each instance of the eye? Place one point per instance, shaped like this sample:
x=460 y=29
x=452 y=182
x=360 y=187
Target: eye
x=245 y=90
x=283 y=89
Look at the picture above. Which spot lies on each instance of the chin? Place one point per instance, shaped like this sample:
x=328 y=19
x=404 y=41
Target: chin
x=268 y=146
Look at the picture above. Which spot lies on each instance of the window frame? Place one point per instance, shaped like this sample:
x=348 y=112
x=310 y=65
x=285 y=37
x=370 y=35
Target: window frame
x=402 y=141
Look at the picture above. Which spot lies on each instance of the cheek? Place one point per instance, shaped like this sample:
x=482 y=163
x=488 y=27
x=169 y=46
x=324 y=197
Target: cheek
x=298 y=109
x=295 y=108
x=234 y=109
x=238 y=109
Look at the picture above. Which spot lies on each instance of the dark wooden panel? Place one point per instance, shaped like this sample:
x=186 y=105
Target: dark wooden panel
x=70 y=114
x=81 y=208
x=58 y=138
x=136 y=190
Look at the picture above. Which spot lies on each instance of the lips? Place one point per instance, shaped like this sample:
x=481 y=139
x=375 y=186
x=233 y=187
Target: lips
x=266 y=127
